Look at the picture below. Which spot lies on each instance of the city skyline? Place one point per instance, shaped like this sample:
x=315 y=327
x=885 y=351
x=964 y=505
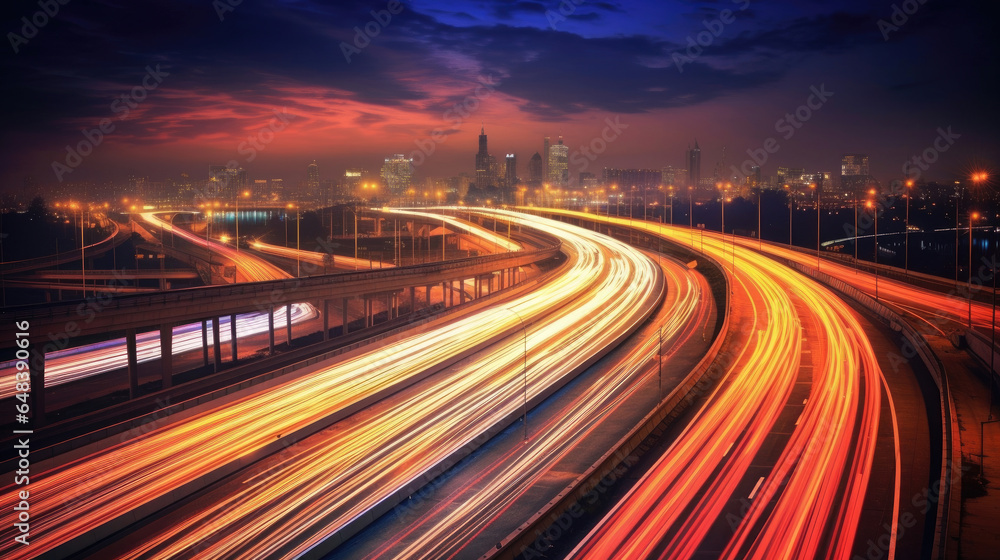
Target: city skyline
x=245 y=101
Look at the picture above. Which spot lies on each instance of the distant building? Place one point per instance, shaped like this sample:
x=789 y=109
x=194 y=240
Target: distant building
x=486 y=165
x=397 y=174
x=854 y=172
x=642 y=179
x=225 y=182
x=536 y=169
x=559 y=164
x=546 y=145
x=588 y=180
x=694 y=165
x=510 y=171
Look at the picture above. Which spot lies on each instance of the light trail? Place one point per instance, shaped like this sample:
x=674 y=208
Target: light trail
x=954 y=308
x=297 y=506
x=701 y=470
x=81 y=362
x=446 y=531
x=318 y=259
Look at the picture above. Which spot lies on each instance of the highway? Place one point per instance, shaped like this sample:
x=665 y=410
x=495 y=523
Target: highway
x=294 y=508
x=940 y=311
x=810 y=502
x=81 y=362
x=471 y=511
x=338 y=262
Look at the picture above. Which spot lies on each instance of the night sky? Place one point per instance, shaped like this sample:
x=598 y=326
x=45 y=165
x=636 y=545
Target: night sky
x=553 y=73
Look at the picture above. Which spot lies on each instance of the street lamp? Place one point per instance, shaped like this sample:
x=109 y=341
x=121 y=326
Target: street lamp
x=671 y=190
x=977 y=179
x=791 y=204
x=874 y=209
x=691 y=213
x=973 y=216
x=83 y=260
x=524 y=368
x=906 y=244
x=246 y=194
x=816 y=189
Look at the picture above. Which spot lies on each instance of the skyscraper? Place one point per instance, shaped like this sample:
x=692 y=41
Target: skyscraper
x=486 y=165
x=397 y=173
x=694 y=165
x=510 y=173
x=559 y=164
x=536 y=169
x=545 y=159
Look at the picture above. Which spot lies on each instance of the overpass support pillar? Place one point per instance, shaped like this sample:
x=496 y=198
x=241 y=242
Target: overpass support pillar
x=270 y=330
x=462 y=284
x=444 y=294
x=167 y=355
x=204 y=343
x=133 y=364
x=344 y=327
x=427 y=289
x=232 y=336
x=216 y=344
x=36 y=370
x=288 y=324
x=413 y=299
x=326 y=320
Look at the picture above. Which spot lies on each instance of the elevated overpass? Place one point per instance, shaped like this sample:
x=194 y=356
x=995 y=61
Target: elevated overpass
x=58 y=326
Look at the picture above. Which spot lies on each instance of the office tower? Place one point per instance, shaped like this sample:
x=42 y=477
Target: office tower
x=536 y=169
x=694 y=165
x=546 y=145
x=510 y=172
x=486 y=165
x=397 y=173
x=559 y=164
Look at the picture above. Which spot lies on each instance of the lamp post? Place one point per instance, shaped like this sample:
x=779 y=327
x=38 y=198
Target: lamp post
x=524 y=368
x=791 y=204
x=83 y=260
x=973 y=216
x=906 y=243
x=978 y=178
x=671 y=189
x=874 y=208
x=760 y=240
x=691 y=213
x=245 y=194
x=298 y=246
x=816 y=189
